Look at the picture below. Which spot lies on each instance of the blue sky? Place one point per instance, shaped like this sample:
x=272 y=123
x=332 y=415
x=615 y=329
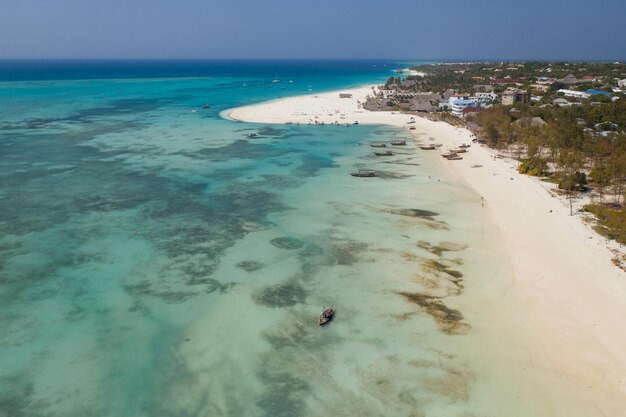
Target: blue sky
x=434 y=29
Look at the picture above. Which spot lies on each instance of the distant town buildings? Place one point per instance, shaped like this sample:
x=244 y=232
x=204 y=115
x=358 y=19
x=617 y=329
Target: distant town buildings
x=571 y=79
x=510 y=97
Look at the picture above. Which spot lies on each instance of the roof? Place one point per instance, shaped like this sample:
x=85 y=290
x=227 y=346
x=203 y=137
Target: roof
x=461 y=102
x=477 y=110
x=597 y=92
x=530 y=122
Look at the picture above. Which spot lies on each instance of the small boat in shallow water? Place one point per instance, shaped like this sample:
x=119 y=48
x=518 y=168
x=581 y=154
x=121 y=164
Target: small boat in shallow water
x=383 y=153
x=428 y=147
x=398 y=142
x=326 y=316
x=378 y=145
x=364 y=173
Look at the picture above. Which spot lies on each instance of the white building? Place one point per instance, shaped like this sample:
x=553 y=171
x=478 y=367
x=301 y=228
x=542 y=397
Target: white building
x=457 y=97
x=481 y=98
x=573 y=93
x=459 y=105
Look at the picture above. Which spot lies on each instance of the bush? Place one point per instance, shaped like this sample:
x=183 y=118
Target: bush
x=611 y=221
x=576 y=182
x=534 y=166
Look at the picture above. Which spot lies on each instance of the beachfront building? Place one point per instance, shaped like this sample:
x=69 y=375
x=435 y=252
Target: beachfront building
x=457 y=97
x=483 y=98
x=459 y=105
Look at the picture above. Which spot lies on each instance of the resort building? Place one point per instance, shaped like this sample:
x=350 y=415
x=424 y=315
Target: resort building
x=457 y=97
x=483 y=98
x=459 y=105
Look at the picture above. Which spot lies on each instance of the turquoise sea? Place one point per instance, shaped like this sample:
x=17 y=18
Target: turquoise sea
x=155 y=260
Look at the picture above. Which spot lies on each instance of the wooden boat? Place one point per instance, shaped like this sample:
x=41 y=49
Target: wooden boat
x=464 y=145
x=459 y=150
x=449 y=154
x=326 y=316
x=378 y=145
x=398 y=142
x=428 y=147
x=412 y=128
x=454 y=158
x=364 y=173
x=383 y=153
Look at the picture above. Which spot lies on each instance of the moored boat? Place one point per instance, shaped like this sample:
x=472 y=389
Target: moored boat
x=398 y=142
x=378 y=145
x=326 y=316
x=428 y=147
x=363 y=173
x=383 y=153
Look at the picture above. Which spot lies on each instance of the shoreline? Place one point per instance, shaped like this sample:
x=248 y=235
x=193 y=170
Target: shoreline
x=561 y=315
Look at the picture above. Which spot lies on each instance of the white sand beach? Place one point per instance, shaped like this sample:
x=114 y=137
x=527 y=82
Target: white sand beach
x=555 y=312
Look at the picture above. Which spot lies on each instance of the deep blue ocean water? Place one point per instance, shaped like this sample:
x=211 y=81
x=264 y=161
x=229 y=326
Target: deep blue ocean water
x=148 y=247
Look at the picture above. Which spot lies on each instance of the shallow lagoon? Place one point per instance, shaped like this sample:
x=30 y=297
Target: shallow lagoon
x=156 y=260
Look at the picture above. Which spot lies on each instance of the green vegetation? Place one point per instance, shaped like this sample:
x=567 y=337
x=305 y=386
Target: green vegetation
x=611 y=221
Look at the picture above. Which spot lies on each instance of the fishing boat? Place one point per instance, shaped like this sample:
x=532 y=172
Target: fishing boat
x=412 y=128
x=252 y=135
x=428 y=147
x=383 y=153
x=378 y=145
x=452 y=156
x=398 y=142
x=459 y=150
x=363 y=173
x=206 y=106
x=464 y=145
x=326 y=316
